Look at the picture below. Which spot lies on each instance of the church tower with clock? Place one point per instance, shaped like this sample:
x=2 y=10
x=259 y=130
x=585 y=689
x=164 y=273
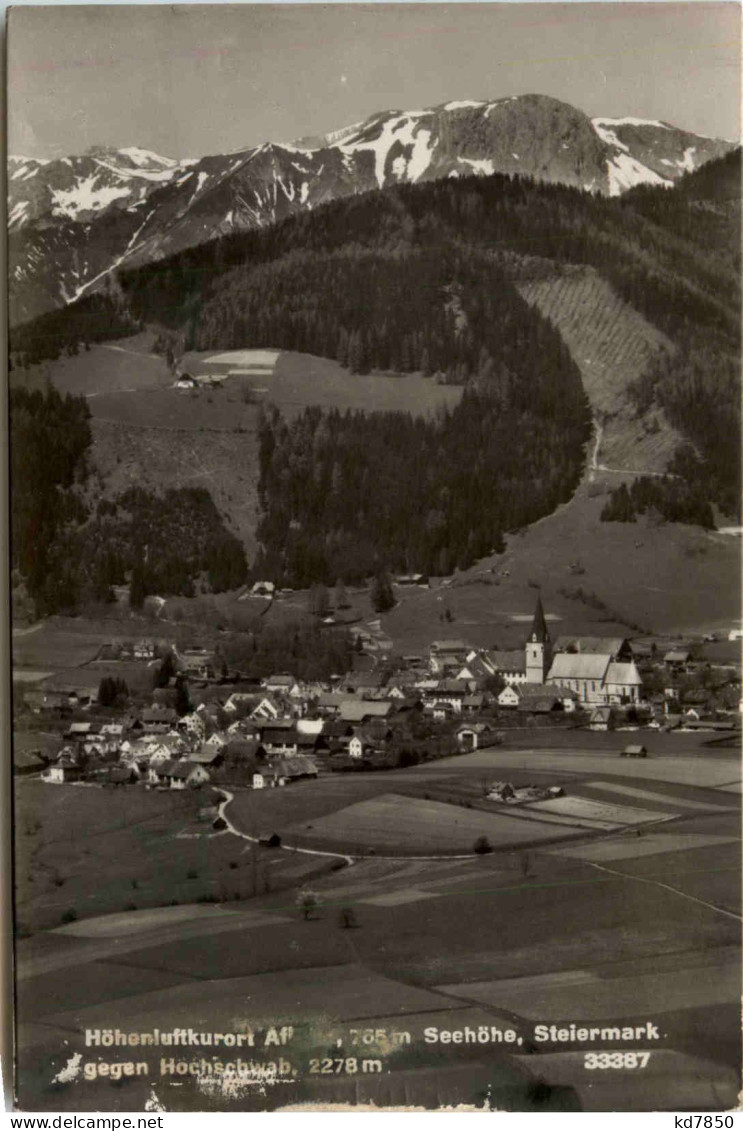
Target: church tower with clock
x=538 y=648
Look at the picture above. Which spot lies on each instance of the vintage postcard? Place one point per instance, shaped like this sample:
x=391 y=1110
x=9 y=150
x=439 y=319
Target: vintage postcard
x=374 y=408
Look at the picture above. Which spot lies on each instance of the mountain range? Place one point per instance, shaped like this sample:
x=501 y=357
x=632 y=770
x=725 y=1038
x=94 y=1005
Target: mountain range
x=74 y=220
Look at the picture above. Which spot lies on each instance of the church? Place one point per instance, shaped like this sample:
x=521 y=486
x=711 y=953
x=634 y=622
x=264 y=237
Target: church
x=598 y=669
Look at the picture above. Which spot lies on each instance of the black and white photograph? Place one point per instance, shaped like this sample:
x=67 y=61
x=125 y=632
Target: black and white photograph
x=374 y=432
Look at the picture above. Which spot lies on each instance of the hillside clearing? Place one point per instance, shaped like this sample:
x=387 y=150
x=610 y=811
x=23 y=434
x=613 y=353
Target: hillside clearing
x=611 y=344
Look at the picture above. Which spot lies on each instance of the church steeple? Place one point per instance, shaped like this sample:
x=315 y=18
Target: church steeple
x=538 y=650
x=539 y=633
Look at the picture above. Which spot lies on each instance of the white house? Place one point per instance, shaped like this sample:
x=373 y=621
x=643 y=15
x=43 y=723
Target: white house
x=185 y=774
x=216 y=740
x=263 y=589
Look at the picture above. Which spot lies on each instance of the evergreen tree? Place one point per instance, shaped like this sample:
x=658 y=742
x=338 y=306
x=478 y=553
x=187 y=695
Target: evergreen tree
x=182 y=697
x=382 y=596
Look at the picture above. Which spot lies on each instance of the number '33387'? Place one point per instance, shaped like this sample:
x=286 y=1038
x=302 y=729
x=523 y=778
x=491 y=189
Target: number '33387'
x=616 y=1059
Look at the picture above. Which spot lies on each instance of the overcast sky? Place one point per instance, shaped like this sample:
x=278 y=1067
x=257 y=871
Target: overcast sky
x=191 y=79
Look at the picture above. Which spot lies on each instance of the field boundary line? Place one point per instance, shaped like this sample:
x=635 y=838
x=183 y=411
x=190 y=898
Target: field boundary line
x=256 y=840
x=669 y=887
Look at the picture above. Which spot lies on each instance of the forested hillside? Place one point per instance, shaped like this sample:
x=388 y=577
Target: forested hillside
x=422 y=278
x=67 y=555
x=49 y=442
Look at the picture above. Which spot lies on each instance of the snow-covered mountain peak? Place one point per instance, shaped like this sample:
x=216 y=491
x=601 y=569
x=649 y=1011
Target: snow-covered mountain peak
x=74 y=219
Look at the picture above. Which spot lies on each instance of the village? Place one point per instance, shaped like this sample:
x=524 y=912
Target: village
x=202 y=726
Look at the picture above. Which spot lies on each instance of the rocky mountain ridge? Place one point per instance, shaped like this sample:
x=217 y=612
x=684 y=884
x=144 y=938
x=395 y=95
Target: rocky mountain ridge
x=74 y=220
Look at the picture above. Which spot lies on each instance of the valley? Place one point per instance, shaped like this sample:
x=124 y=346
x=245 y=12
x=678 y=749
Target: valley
x=606 y=931
x=376 y=644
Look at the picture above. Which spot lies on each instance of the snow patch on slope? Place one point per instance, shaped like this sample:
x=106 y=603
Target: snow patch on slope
x=608 y=135
x=146 y=157
x=630 y=122
x=140 y=174
x=85 y=196
x=625 y=172
x=404 y=130
x=18 y=214
x=465 y=105
x=420 y=158
x=483 y=165
x=687 y=161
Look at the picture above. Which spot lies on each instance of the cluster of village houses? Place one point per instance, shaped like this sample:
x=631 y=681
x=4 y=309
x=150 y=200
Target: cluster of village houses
x=272 y=731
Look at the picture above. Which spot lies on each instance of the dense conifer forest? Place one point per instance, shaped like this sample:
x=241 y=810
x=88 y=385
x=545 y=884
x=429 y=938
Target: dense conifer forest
x=672 y=499
x=49 y=443
x=345 y=495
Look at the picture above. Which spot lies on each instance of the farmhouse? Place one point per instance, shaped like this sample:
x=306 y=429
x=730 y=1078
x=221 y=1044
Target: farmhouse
x=602 y=718
x=448 y=692
x=288 y=769
x=406 y=580
x=182 y=775
x=511 y=695
x=196 y=662
x=443 y=655
x=263 y=589
x=65 y=769
x=362 y=710
x=159 y=719
x=279 y=740
x=471 y=735
x=510 y=666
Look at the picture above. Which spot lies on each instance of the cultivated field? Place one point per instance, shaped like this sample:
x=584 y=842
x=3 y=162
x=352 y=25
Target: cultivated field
x=294 y=381
x=115 y=366
x=683 y=770
x=392 y=824
x=507 y=939
x=63 y=651
x=150 y=846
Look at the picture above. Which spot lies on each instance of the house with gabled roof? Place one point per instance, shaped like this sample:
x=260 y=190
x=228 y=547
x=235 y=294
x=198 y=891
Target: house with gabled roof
x=65 y=768
x=216 y=740
x=279 y=740
x=184 y=774
x=283 y=684
x=470 y=736
x=359 y=682
x=603 y=717
x=514 y=694
x=443 y=655
x=290 y=768
x=159 y=716
x=268 y=708
x=617 y=647
x=361 y=710
x=509 y=665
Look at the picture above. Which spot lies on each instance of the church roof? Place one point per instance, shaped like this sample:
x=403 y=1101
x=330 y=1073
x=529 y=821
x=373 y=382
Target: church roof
x=623 y=674
x=514 y=661
x=592 y=645
x=567 y=665
x=539 y=625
